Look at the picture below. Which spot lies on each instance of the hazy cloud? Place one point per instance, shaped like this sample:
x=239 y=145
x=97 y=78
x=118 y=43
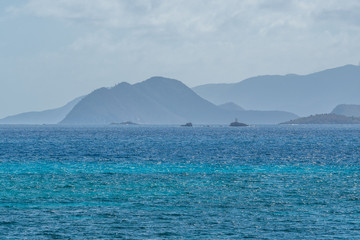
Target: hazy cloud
x=99 y=43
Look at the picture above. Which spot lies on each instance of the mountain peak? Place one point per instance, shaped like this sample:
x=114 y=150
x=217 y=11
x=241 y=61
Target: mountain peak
x=158 y=100
x=161 y=80
x=349 y=110
x=122 y=84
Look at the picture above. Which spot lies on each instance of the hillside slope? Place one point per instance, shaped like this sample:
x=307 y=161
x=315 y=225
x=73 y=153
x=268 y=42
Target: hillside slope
x=303 y=95
x=350 y=110
x=159 y=100
x=52 y=116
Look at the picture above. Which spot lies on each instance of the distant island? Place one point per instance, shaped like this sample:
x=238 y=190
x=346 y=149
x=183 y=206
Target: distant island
x=291 y=93
x=160 y=100
x=124 y=123
x=51 y=116
x=157 y=100
x=325 y=119
x=349 y=110
x=238 y=124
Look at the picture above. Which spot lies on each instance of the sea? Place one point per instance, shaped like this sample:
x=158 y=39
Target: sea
x=172 y=182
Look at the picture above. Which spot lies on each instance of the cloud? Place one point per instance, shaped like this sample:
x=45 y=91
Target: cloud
x=205 y=32
x=170 y=21
x=94 y=43
x=199 y=16
x=348 y=18
x=136 y=24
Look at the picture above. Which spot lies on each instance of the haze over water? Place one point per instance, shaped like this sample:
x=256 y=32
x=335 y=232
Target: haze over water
x=157 y=182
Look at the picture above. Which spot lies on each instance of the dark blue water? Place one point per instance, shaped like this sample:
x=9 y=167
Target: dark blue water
x=263 y=182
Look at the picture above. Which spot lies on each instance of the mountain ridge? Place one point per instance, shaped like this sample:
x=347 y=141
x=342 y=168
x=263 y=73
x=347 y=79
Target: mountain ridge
x=50 y=116
x=349 y=110
x=158 y=100
x=302 y=94
x=231 y=106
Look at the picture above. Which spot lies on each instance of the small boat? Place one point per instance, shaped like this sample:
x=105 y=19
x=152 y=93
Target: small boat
x=189 y=124
x=238 y=124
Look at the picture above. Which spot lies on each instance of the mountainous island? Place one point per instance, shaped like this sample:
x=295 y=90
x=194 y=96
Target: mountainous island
x=301 y=94
x=341 y=114
x=159 y=100
x=52 y=116
x=329 y=118
x=350 y=110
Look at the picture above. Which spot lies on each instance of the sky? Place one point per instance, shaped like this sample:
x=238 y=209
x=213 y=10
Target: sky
x=54 y=51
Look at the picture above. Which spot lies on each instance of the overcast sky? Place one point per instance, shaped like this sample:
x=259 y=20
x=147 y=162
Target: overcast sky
x=53 y=51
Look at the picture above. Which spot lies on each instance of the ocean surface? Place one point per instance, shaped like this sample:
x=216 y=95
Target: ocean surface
x=170 y=182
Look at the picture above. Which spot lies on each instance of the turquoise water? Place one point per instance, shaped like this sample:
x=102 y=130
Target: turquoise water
x=262 y=182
